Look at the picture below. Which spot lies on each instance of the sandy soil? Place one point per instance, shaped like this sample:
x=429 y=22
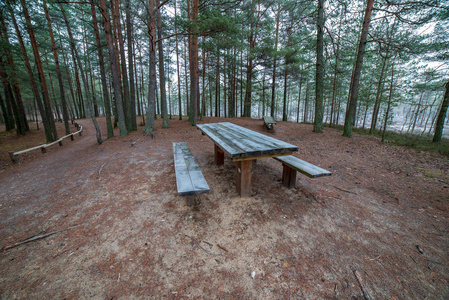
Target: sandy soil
x=378 y=225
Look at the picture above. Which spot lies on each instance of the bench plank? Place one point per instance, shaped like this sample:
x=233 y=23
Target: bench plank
x=189 y=179
x=302 y=166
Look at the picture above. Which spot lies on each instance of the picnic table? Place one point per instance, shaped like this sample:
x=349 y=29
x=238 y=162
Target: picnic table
x=243 y=146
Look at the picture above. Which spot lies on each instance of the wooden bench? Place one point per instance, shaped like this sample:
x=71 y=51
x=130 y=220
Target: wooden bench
x=189 y=179
x=269 y=123
x=292 y=164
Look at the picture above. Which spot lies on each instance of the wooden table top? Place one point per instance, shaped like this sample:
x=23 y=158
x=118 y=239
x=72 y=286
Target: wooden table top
x=242 y=143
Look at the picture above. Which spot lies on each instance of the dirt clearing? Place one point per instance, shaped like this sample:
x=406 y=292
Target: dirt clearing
x=378 y=226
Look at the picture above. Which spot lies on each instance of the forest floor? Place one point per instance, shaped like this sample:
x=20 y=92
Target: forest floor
x=379 y=225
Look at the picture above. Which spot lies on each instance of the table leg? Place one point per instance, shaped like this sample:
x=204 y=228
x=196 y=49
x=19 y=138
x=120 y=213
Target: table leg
x=288 y=177
x=243 y=175
x=218 y=155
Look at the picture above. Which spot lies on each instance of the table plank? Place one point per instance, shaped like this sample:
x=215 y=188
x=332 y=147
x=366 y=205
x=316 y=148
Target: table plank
x=240 y=142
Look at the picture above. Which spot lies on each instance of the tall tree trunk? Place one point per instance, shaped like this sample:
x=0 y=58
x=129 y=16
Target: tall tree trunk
x=355 y=78
x=273 y=86
x=225 y=113
x=104 y=84
x=83 y=77
x=149 y=126
x=232 y=101
x=389 y=103
x=319 y=81
x=11 y=112
x=65 y=112
x=177 y=68
x=124 y=72
x=418 y=109
x=132 y=89
x=186 y=77
x=441 y=116
x=299 y=100
x=378 y=96
x=429 y=115
x=69 y=80
x=22 y=123
x=203 y=90
x=114 y=69
x=193 y=57
x=306 y=103
x=53 y=136
x=7 y=115
x=334 y=84
x=161 y=69
x=217 y=86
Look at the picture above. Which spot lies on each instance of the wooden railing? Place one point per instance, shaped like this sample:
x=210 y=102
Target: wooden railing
x=15 y=155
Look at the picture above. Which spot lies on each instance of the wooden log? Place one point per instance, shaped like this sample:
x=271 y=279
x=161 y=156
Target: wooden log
x=244 y=176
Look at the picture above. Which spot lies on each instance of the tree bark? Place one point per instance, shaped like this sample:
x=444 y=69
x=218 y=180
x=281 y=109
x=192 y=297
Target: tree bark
x=65 y=112
x=161 y=69
x=83 y=77
x=131 y=66
x=124 y=72
x=193 y=55
x=389 y=103
x=21 y=119
x=104 y=84
x=114 y=70
x=273 y=86
x=319 y=81
x=355 y=78
x=40 y=70
x=217 y=85
x=441 y=116
x=34 y=87
x=177 y=68
x=149 y=126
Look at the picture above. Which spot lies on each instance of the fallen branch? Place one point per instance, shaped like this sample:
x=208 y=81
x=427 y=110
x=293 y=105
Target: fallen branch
x=344 y=190
x=362 y=286
x=223 y=248
x=198 y=245
x=101 y=169
x=35 y=238
x=135 y=142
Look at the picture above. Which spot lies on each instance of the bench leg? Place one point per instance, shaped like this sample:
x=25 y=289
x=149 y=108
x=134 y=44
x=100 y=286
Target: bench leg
x=190 y=200
x=288 y=177
x=218 y=155
x=243 y=175
x=71 y=137
x=14 y=158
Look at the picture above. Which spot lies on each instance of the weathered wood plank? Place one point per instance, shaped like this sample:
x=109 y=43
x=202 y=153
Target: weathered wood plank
x=240 y=142
x=264 y=139
x=302 y=166
x=210 y=131
x=189 y=179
